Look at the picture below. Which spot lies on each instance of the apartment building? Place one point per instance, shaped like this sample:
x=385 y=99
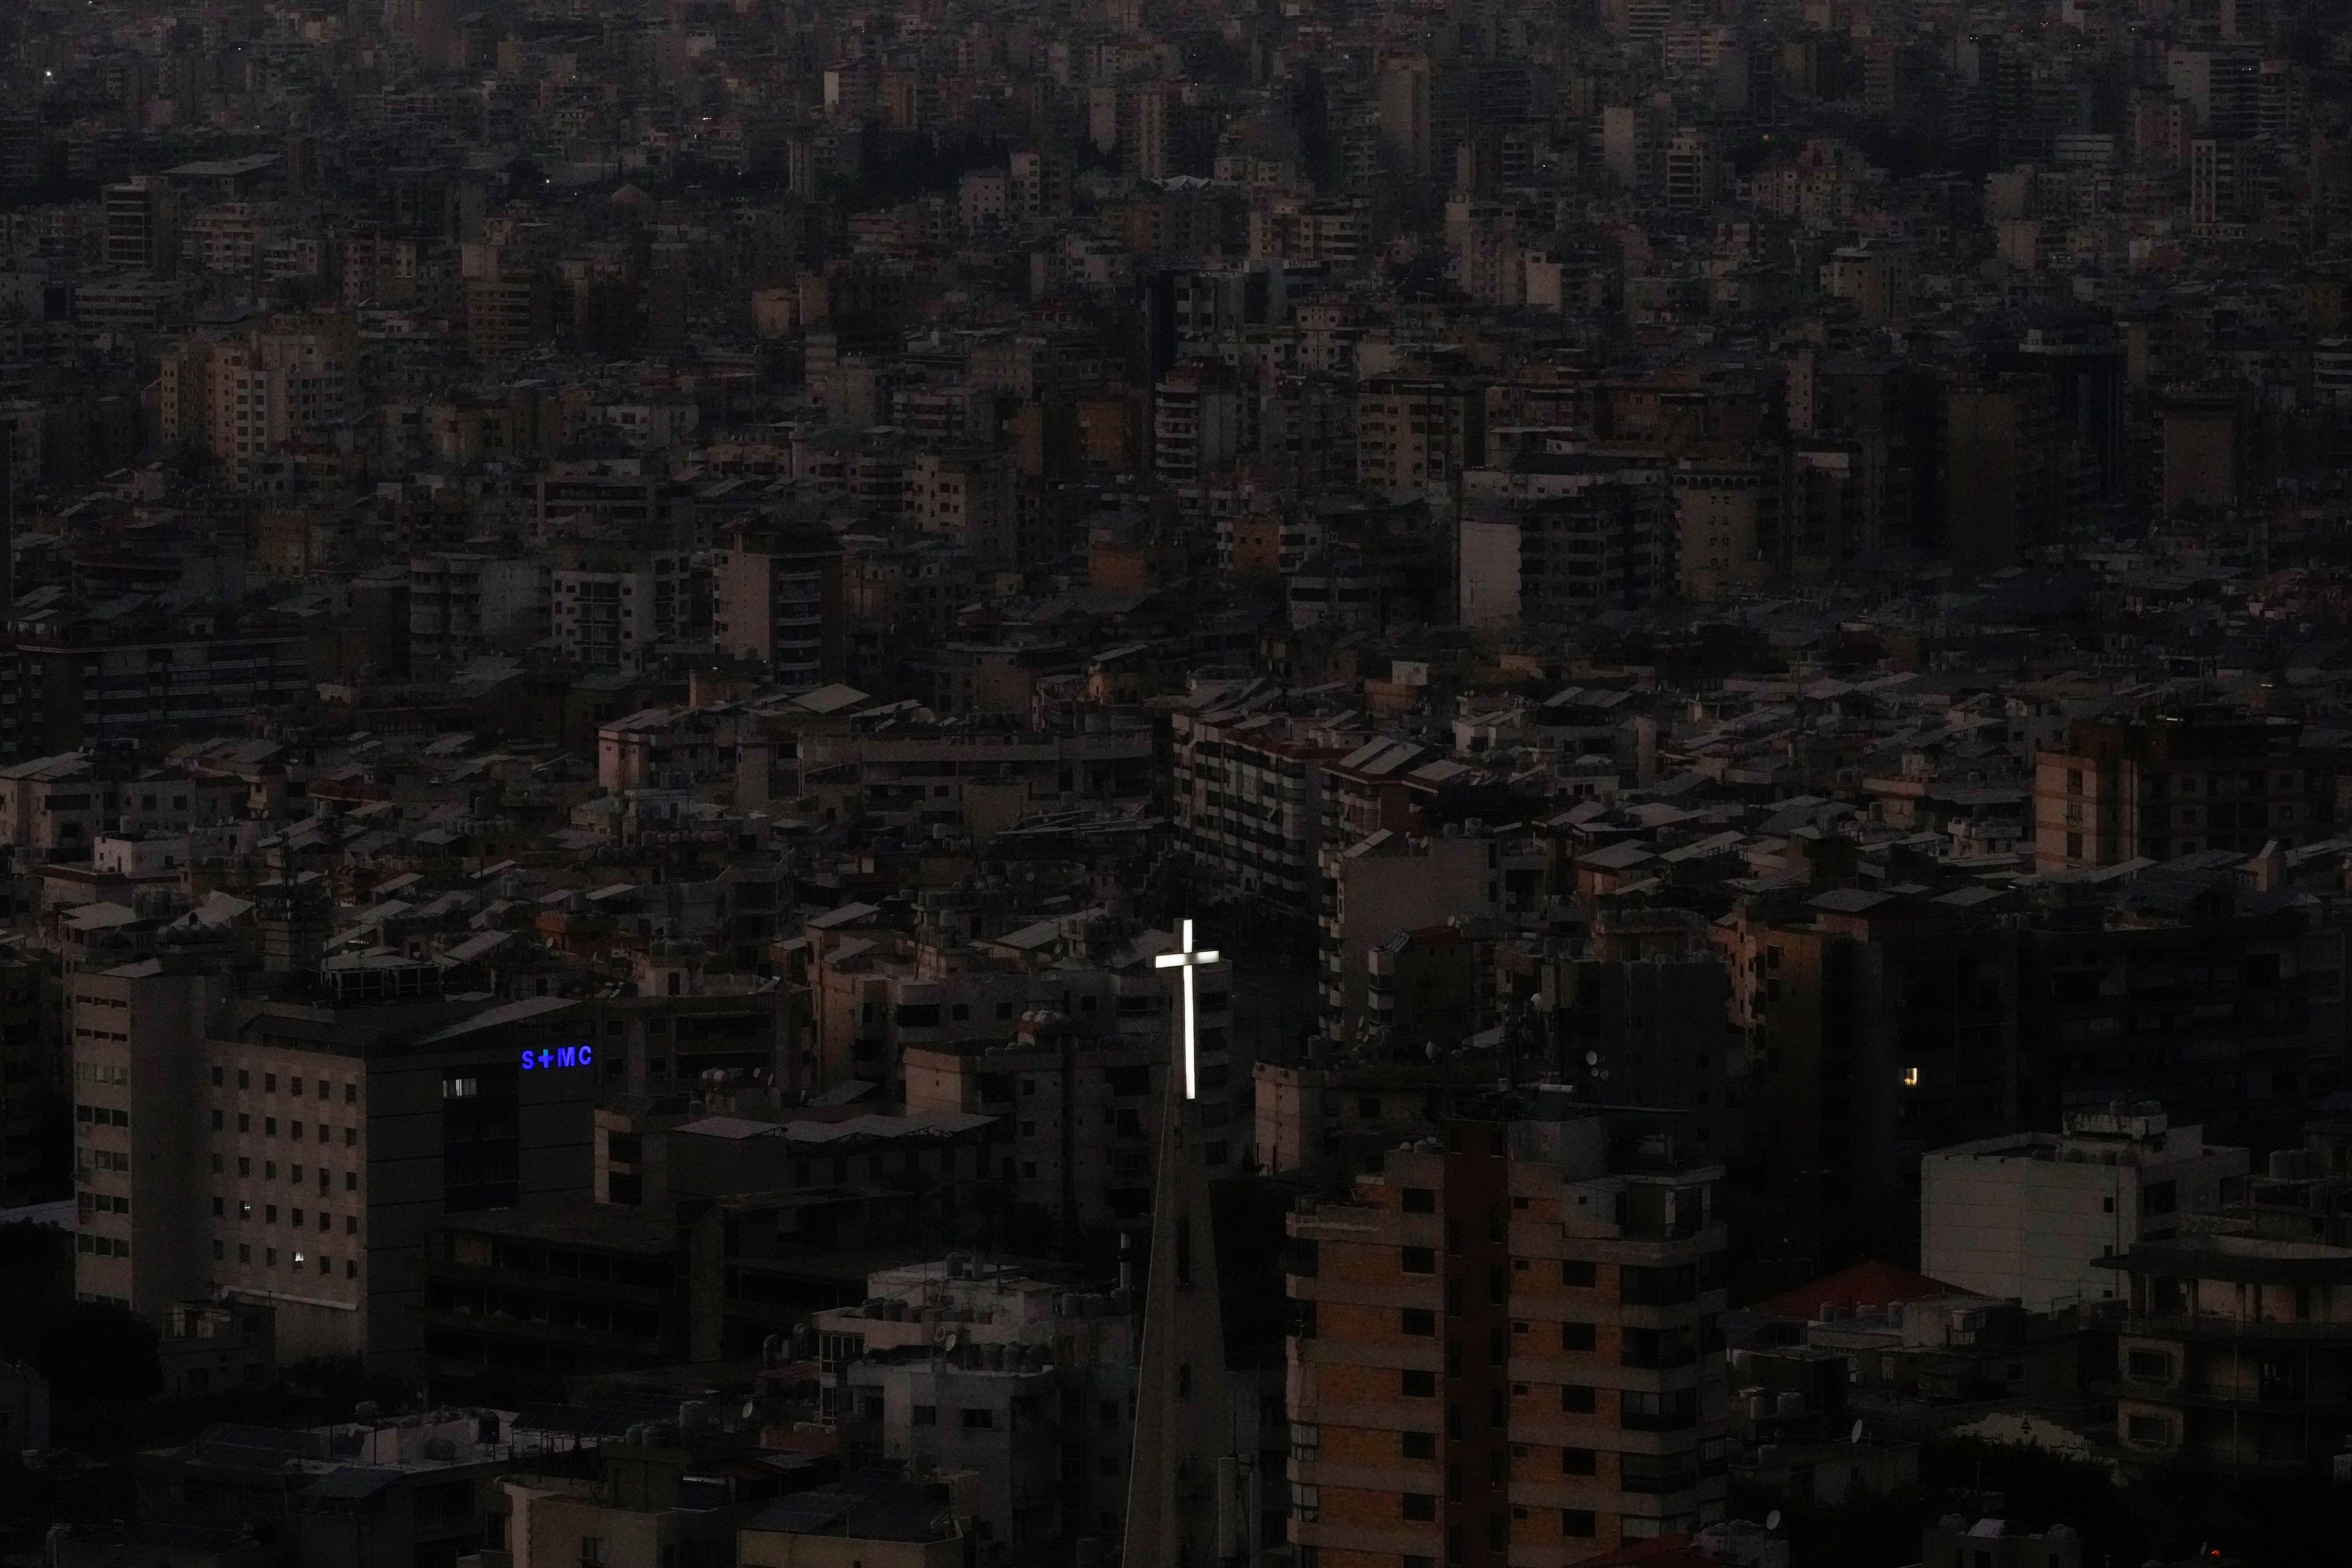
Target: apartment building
x=1640 y=1014
x=1386 y=883
x=979 y=773
x=1417 y=432
x=2176 y=785
x=615 y=608
x=966 y=495
x=244 y=396
x=1346 y=1115
x=1562 y=535
x=296 y=1151
x=1723 y=520
x=1249 y=796
x=1196 y=423
x=530 y=1296
x=2030 y=1216
x=1059 y=1029
x=777 y=601
x=461 y=602
x=1506 y=1348
x=681 y=1024
x=966 y=1366
x=2236 y=1355
x=1078 y=1113
x=143 y=224
x=1884 y=1028
x=85 y=676
x=29 y=1069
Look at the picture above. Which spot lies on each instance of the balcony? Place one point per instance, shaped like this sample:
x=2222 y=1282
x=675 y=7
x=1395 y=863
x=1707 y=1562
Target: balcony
x=1652 y=1475
x=2210 y=1328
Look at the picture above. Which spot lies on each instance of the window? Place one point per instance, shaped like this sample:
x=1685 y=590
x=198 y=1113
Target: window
x=591 y=1551
x=1417 y=1384
x=1579 y=1274
x=217 y=1083
x=1662 y=1286
x=1421 y=1200
x=1417 y=1261
x=1578 y=1399
x=978 y=1420
x=1420 y=1321
x=1579 y=1337
x=1418 y=1445
x=926 y=1415
x=1667 y=1412
x=2152 y=1366
x=1579 y=1524
x=1579 y=1462
x=2150 y=1429
x=1420 y=1505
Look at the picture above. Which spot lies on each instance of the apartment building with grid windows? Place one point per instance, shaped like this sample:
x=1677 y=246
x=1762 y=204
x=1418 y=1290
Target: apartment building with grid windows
x=1506 y=1347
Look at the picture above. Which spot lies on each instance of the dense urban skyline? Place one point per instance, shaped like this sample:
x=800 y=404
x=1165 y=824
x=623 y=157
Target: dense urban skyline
x=1325 y=785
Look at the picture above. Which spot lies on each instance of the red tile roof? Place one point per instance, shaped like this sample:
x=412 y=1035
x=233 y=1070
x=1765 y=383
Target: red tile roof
x=1867 y=1284
x=1665 y=1552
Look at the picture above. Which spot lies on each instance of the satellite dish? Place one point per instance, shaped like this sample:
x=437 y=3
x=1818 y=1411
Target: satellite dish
x=1854 y=1435
x=1592 y=1058
x=1772 y=1520
x=951 y=1344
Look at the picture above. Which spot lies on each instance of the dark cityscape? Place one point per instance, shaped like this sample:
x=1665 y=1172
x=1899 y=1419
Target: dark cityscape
x=1151 y=784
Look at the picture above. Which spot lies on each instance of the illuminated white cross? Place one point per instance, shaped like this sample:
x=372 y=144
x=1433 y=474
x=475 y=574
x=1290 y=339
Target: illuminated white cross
x=1186 y=959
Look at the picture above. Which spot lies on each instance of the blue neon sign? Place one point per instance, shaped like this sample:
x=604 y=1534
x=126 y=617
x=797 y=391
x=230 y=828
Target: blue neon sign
x=559 y=1056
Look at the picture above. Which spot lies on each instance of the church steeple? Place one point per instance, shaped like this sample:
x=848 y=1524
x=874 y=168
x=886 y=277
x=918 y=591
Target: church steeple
x=1183 y=1425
